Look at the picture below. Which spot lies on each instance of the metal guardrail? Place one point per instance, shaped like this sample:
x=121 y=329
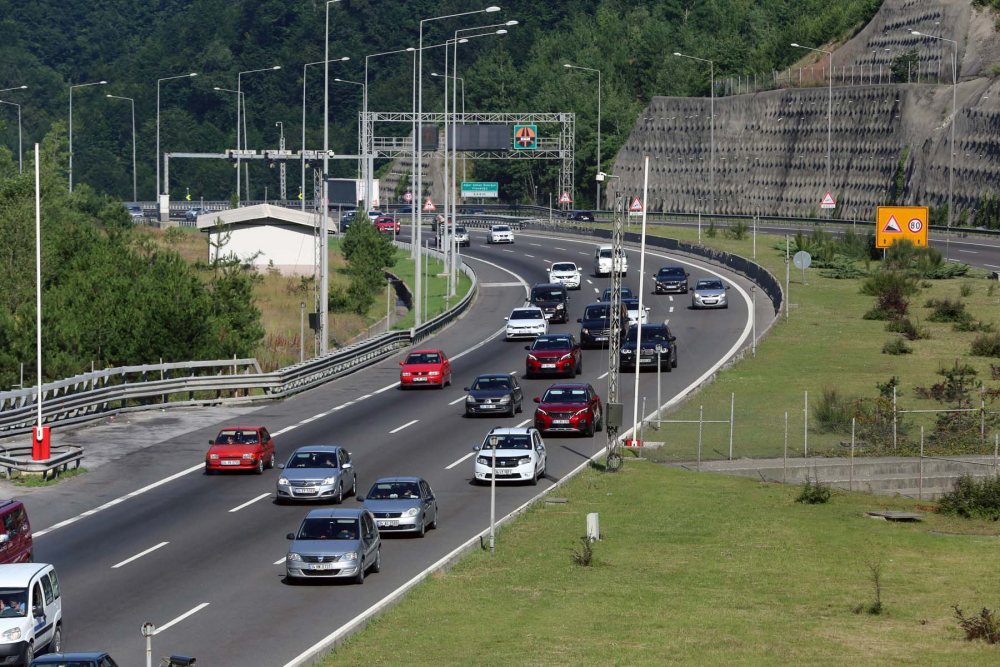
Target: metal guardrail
x=18 y=458
x=229 y=381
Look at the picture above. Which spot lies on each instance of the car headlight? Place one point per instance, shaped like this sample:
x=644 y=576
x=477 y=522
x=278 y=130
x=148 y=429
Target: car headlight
x=560 y=306
x=505 y=398
x=213 y=456
x=580 y=413
x=626 y=351
x=13 y=634
x=405 y=374
x=248 y=456
x=541 y=412
x=293 y=556
x=565 y=357
x=330 y=480
x=533 y=357
x=483 y=460
x=470 y=399
x=283 y=481
x=525 y=461
x=586 y=331
x=354 y=555
x=413 y=511
x=435 y=373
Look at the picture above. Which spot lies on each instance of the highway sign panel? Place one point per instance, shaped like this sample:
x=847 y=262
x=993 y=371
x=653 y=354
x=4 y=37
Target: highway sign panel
x=828 y=201
x=429 y=205
x=635 y=208
x=895 y=223
x=564 y=199
x=525 y=137
x=475 y=189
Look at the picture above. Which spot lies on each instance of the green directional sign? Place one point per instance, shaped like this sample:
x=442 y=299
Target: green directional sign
x=474 y=189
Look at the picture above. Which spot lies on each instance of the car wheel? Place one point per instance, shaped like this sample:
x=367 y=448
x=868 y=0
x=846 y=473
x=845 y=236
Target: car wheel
x=339 y=498
x=726 y=306
x=354 y=487
x=434 y=524
x=359 y=578
x=520 y=405
x=600 y=423
x=591 y=429
x=55 y=646
x=259 y=470
x=270 y=462
x=29 y=654
x=673 y=364
x=534 y=479
x=670 y=366
x=572 y=372
x=208 y=471
x=423 y=528
x=377 y=566
x=513 y=410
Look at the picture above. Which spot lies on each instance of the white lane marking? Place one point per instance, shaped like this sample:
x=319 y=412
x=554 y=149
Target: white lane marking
x=400 y=428
x=671 y=309
x=671 y=298
x=139 y=555
x=312 y=419
x=279 y=562
x=524 y=423
x=666 y=322
x=971 y=252
x=596 y=291
x=457 y=400
x=180 y=618
x=547 y=261
x=603 y=376
x=127 y=496
x=505 y=250
x=459 y=461
x=954 y=260
x=499 y=284
x=992 y=266
x=527 y=255
x=286 y=429
x=589 y=281
x=558 y=248
x=536 y=244
x=386 y=388
x=513 y=372
x=249 y=502
x=586 y=254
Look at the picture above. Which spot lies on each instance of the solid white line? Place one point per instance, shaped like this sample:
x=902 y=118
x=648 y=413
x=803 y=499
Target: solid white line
x=400 y=428
x=524 y=423
x=386 y=388
x=603 y=376
x=971 y=252
x=527 y=255
x=180 y=618
x=459 y=461
x=311 y=419
x=249 y=502
x=112 y=503
x=992 y=266
x=457 y=400
x=139 y=555
x=279 y=562
x=286 y=429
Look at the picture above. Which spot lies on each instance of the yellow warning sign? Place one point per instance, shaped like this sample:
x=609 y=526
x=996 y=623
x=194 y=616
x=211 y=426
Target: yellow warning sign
x=895 y=223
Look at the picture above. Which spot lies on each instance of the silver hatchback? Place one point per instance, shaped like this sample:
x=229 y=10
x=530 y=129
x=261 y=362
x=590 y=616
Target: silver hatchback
x=402 y=504
x=334 y=544
x=710 y=293
x=320 y=472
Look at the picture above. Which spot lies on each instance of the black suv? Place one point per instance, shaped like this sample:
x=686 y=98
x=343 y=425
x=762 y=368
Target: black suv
x=552 y=298
x=580 y=216
x=595 y=325
x=671 y=279
x=653 y=336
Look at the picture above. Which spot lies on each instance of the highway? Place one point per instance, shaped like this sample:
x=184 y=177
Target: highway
x=150 y=538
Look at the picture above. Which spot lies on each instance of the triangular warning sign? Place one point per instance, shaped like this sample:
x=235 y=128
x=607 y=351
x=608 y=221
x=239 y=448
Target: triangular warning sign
x=565 y=198
x=429 y=205
x=636 y=206
x=892 y=227
x=828 y=199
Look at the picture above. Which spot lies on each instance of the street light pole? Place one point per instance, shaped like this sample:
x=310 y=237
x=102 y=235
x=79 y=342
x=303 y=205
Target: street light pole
x=20 y=162
x=711 y=157
x=79 y=85
x=829 y=114
x=159 y=189
x=318 y=62
x=135 y=196
x=239 y=104
x=597 y=195
x=368 y=159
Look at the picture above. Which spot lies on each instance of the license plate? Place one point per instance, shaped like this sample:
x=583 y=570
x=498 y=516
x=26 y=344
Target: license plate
x=305 y=491
x=560 y=421
x=548 y=316
x=488 y=407
x=420 y=379
x=321 y=566
x=600 y=337
x=648 y=361
x=548 y=365
x=503 y=471
x=230 y=463
x=387 y=524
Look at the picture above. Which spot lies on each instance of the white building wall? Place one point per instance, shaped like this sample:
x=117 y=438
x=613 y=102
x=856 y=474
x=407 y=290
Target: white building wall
x=290 y=247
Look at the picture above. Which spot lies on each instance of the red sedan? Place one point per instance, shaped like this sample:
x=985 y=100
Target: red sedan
x=240 y=448
x=558 y=354
x=423 y=368
x=569 y=408
x=387 y=223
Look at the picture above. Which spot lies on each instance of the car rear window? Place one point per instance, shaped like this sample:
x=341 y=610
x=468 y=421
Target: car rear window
x=424 y=358
x=329 y=529
x=237 y=437
x=564 y=396
x=508 y=441
x=551 y=344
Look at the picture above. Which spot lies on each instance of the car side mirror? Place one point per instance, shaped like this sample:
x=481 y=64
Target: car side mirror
x=347 y=466
x=727 y=286
x=580 y=320
x=281 y=466
x=211 y=442
x=369 y=536
x=672 y=338
x=290 y=536
x=687 y=275
x=401 y=363
x=537 y=399
x=527 y=347
x=360 y=499
x=647 y=308
x=476 y=448
x=465 y=389
x=4 y=538
x=37 y=612
x=506 y=319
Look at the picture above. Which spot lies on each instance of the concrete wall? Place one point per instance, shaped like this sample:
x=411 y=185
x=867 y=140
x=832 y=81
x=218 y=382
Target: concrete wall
x=290 y=247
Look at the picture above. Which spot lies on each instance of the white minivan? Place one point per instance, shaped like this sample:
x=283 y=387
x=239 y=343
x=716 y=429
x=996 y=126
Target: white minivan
x=30 y=612
x=602 y=262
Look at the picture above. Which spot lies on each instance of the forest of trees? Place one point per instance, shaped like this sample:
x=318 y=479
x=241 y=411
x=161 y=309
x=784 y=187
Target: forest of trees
x=50 y=44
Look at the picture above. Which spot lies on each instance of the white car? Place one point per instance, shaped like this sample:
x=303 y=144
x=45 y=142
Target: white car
x=527 y=322
x=462 y=237
x=602 y=261
x=519 y=456
x=500 y=234
x=566 y=273
x=632 y=306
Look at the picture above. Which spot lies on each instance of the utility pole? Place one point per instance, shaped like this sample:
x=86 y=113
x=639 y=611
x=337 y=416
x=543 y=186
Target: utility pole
x=614 y=405
x=281 y=166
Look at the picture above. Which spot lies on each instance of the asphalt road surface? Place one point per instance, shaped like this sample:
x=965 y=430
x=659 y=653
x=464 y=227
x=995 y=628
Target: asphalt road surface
x=150 y=538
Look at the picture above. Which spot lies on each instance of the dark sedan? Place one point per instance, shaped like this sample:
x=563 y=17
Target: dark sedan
x=657 y=343
x=580 y=216
x=671 y=279
x=494 y=394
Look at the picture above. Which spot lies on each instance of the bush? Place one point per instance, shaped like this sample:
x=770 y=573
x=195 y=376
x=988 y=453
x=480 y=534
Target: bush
x=991 y=288
x=986 y=345
x=965 y=290
x=842 y=268
x=946 y=310
x=583 y=554
x=737 y=231
x=973 y=499
x=973 y=326
x=889 y=281
x=909 y=330
x=832 y=412
x=985 y=626
x=174 y=235
x=896 y=346
x=711 y=232
x=813 y=494
x=891 y=305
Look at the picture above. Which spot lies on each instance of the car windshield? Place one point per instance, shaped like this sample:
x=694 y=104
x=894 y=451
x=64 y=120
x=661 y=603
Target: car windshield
x=551 y=344
x=547 y=294
x=709 y=284
x=631 y=304
x=234 y=436
x=526 y=315
x=13 y=602
x=654 y=334
x=501 y=228
x=394 y=491
x=597 y=313
x=313 y=460
x=461 y=230
x=488 y=383
x=508 y=441
x=424 y=358
x=329 y=529
x=554 y=395
x=626 y=293
x=564 y=266
x=671 y=272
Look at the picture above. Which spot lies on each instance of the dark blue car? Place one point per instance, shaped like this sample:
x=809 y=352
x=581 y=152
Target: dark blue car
x=653 y=336
x=74 y=660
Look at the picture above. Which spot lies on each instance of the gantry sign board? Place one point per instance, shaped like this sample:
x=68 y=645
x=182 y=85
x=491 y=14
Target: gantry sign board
x=525 y=137
x=476 y=189
x=895 y=223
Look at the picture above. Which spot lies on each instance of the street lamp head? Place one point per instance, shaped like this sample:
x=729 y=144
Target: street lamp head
x=109 y=95
x=463 y=41
x=345 y=58
x=23 y=87
x=511 y=22
x=410 y=48
x=501 y=32
x=914 y=32
x=102 y=82
x=567 y=65
x=678 y=54
x=794 y=44
x=490 y=10
x=435 y=74
x=193 y=74
x=276 y=67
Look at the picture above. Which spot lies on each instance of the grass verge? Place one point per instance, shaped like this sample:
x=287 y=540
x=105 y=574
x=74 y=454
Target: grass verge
x=36 y=481
x=698 y=569
x=436 y=284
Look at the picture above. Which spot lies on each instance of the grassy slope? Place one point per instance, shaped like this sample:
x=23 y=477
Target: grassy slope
x=697 y=569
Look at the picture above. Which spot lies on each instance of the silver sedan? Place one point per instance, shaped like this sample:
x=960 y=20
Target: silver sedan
x=710 y=293
x=402 y=504
x=319 y=472
x=334 y=544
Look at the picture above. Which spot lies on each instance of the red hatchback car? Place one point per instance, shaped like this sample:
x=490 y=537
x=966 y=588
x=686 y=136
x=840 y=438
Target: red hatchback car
x=558 y=354
x=424 y=368
x=387 y=223
x=240 y=448
x=569 y=408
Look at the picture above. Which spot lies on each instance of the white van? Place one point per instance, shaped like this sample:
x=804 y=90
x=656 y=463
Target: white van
x=30 y=612
x=602 y=262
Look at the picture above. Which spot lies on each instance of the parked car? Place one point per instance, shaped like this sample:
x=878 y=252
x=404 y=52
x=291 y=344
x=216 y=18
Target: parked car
x=595 y=325
x=565 y=273
x=334 y=544
x=192 y=213
x=602 y=261
x=31 y=620
x=492 y=394
x=671 y=279
x=387 y=224
x=462 y=237
x=527 y=322
x=240 y=448
x=580 y=216
x=569 y=408
x=710 y=293
x=500 y=234
x=423 y=368
x=317 y=472
x=519 y=454
x=626 y=293
x=553 y=299
x=98 y=659
x=556 y=354
x=16 y=545
x=632 y=308
x=653 y=337
x=402 y=504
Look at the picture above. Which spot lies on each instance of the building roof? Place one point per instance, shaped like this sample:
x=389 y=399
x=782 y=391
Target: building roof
x=260 y=214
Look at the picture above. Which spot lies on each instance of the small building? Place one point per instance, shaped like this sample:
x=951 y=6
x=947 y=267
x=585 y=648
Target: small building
x=271 y=234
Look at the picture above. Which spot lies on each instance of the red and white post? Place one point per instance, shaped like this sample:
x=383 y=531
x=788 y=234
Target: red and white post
x=40 y=449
